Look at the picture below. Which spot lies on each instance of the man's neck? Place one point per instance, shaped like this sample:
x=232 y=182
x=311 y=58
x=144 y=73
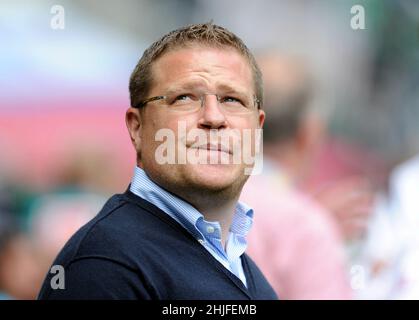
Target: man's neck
x=222 y=213
x=214 y=208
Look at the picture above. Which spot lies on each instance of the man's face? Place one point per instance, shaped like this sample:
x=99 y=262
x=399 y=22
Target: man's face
x=199 y=70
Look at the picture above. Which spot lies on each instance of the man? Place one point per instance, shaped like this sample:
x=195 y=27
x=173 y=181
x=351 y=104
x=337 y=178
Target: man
x=179 y=231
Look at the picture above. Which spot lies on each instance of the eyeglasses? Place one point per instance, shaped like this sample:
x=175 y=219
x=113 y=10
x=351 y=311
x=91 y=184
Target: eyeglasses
x=193 y=102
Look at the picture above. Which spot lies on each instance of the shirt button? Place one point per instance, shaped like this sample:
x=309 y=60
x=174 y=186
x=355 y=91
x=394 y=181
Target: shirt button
x=210 y=229
x=201 y=241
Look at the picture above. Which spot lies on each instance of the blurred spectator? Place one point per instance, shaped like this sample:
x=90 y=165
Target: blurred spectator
x=33 y=229
x=20 y=275
x=296 y=242
x=55 y=217
x=18 y=267
x=350 y=200
x=7 y=233
x=391 y=254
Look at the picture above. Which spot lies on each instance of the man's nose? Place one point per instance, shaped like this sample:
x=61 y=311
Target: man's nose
x=212 y=116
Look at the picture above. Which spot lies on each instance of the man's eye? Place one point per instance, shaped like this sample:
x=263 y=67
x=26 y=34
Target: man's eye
x=231 y=100
x=183 y=97
x=179 y=99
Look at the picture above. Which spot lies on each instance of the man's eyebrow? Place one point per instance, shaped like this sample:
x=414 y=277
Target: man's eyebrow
x=223 y=87
x=226 y=88
x=184 y=86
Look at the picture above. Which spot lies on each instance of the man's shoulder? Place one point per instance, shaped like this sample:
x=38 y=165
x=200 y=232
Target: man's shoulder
x=124 y=225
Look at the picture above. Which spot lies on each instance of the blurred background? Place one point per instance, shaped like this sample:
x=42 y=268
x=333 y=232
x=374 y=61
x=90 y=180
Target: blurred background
x=64 y=147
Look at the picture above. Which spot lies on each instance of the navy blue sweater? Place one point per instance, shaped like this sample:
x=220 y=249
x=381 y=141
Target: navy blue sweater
x=133 y=250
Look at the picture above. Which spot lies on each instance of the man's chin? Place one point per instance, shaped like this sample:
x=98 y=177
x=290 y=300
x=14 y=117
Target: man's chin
x=214 y=176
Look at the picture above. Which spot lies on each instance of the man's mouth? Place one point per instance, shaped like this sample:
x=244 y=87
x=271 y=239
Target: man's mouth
x=212 y=147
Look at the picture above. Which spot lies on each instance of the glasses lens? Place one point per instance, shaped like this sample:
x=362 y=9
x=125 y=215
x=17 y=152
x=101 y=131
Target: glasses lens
x=183 y=102
x=237 y=105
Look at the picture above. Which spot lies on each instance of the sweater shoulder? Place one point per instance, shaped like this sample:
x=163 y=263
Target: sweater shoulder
x=120 y=231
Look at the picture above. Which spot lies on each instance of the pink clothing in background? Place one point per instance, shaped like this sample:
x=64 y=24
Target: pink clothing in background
x=294 y=242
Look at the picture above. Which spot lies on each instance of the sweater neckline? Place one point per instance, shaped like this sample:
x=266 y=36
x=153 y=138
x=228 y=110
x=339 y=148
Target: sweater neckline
x=151 y=208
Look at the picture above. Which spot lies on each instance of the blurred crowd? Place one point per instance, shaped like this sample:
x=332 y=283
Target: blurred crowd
x=337 y=203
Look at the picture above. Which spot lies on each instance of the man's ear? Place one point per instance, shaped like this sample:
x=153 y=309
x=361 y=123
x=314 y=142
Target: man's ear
x=134 y=124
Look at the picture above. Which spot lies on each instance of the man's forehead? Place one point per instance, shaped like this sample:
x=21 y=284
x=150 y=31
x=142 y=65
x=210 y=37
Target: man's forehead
x=185 y=66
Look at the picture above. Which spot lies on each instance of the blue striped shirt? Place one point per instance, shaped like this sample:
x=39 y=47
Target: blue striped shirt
x=206 y=232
